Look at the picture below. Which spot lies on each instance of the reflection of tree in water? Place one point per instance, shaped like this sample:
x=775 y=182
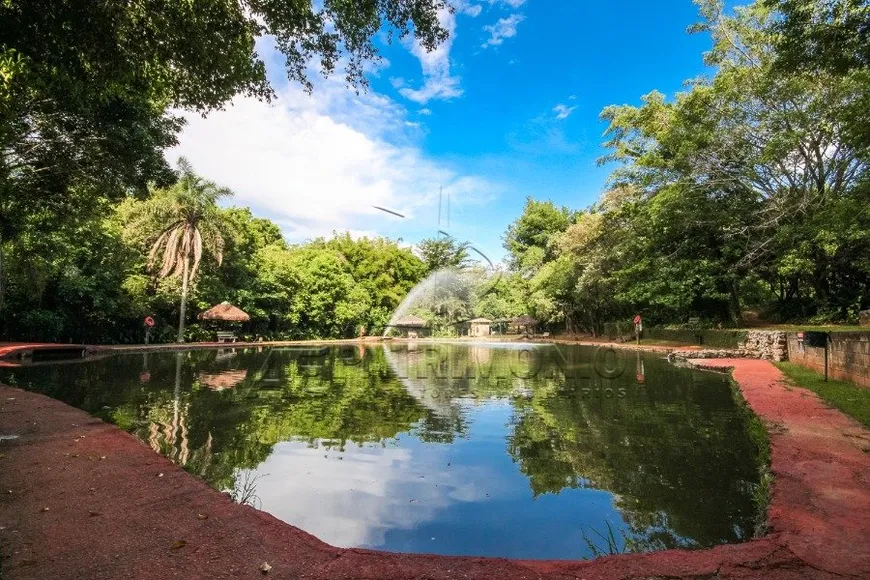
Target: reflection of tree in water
x=289 y=395
x=670 y=451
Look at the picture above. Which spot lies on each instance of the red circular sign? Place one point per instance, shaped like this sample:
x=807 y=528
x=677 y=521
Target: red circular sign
x=637 y=319
x=149 y=322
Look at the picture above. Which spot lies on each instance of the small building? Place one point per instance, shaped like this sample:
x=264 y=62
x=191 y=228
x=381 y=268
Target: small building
x=479 y=327
x=411 y=326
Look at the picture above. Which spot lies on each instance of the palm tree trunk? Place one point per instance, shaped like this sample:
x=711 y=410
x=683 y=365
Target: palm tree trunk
x=184 y=284
x=2 y=275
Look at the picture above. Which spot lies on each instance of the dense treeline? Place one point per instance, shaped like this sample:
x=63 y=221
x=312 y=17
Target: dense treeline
x=749 y=190
x=95 y=280
x=89 y=100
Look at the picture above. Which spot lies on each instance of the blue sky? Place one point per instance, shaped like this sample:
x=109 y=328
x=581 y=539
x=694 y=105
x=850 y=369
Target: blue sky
x=507 y=108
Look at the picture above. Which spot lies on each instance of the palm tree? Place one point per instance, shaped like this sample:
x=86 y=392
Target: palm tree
x=189 y=222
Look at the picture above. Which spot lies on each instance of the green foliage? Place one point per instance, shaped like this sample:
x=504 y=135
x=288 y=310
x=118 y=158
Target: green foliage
x=748 y=189
x=833 y=35
x=384 y=270
x=712 y=338
x=179 y=223
x=528 y=239
x=313 y=292
x=89 y=280
x=443 y=252
x=87 y=88
x=502 y=296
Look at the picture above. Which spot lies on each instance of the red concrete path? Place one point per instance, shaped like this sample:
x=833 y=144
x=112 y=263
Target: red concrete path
x=9 y=350
x=83 y=499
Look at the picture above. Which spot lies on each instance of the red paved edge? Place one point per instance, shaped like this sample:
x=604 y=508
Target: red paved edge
x=111 y=515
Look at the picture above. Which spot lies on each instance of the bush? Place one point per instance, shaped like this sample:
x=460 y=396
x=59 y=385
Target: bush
x=618 y=329
x=706 y=337
x=41 y=326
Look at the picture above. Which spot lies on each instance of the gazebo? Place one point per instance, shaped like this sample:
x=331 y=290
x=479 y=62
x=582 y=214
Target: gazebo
x=410 y=326
x=225 y=312
x=524 y=323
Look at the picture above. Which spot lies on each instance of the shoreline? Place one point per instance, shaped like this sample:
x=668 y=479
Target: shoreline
x=9 y=352
x=122 y=516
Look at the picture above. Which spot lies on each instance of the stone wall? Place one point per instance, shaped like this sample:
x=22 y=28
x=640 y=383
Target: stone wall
x=763 y=344
x=766 y=344
x=711 y=353
x=848 y=356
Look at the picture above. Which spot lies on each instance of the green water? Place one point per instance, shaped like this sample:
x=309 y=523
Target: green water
x=525 y=451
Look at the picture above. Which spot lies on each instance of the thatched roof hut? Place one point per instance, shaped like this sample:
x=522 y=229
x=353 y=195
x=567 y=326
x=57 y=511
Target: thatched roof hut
x=225 y=311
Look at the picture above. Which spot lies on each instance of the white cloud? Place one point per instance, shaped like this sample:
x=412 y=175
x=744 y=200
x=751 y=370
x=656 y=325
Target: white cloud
x=425 y=111
x=563 y=111
x=438 y=82
x=511 y=3
x=318 y=163
x=465 y=7
x=504 y=28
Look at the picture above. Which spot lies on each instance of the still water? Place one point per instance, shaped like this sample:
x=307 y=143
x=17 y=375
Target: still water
x=524 y=451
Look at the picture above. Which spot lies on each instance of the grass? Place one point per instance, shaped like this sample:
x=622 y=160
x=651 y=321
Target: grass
x=609 y=543
x=660 y=342
x=843 y=395
x=244 y=490
x=760 y=438
x=812 y=327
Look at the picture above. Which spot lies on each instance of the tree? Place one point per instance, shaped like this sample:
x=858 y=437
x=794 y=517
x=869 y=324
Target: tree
x=199 y=56
x=736 y=160
x=832 y=35
x=386 y=271
x=528 y=239
x=502 y=295
x=87 y=87
x=65 y=279
x=443 y=252
x=189 y=222
x=309 y=292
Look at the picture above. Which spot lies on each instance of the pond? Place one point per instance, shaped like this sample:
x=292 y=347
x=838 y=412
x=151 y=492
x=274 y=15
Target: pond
x=522 y=451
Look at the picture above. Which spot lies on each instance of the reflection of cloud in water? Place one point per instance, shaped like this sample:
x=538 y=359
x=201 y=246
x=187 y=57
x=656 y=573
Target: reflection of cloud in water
x=355 y=500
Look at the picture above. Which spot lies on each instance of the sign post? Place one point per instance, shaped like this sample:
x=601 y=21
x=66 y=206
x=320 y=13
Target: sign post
x=638 y=327
x=819 y=340
x=149 y=324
